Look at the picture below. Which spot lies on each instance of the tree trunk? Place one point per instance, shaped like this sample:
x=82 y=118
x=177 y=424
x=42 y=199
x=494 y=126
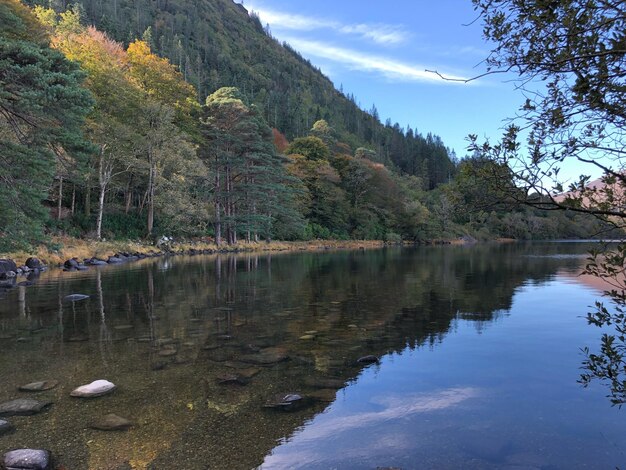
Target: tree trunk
x=151 y=199
x=218 y=210
x=60 y=198
x=100 y=212
x=129 y=195
x=102 y=184
x=73 y=198
x=87 y=201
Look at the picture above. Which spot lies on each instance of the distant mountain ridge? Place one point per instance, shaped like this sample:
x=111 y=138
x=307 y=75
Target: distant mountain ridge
x=217 y=43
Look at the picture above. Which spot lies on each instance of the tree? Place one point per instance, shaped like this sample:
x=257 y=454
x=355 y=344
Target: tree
x=569 y=57
x=250 y=191
x=112 y=124
x=42 y=109
x=312 y=148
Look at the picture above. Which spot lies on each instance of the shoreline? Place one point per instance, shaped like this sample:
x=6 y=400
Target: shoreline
x=81 y=249
x=74 y=248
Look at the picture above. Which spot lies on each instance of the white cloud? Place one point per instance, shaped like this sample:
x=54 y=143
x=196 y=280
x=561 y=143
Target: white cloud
x=356 y=60
x=383 y=34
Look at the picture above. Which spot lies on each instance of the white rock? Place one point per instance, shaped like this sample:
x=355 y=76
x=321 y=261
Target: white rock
x=94 y=389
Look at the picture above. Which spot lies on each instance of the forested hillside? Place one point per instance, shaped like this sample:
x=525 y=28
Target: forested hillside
x=217 y=43
x=105 y=138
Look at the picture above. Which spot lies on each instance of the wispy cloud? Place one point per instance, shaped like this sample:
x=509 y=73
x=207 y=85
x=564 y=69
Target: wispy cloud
x=389 y=68
x=383 y=34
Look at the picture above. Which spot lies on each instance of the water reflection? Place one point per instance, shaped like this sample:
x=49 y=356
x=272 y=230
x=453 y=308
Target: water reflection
x=169 y=331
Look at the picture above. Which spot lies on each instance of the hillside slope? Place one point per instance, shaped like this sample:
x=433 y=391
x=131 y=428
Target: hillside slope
x=218 y=43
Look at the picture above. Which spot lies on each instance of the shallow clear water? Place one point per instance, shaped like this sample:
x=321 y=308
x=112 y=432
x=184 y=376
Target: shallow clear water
x=480 y=356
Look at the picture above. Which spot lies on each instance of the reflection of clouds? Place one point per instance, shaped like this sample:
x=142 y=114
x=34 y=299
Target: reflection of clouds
x=392 y=408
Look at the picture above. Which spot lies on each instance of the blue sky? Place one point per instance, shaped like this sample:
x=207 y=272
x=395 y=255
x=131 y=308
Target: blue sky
x=379 y=50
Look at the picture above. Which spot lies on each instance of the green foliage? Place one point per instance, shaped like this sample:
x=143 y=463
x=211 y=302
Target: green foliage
x=251 y=188
x=217 y=43
x=42 y=108
x=312 y=148
x=608 y=365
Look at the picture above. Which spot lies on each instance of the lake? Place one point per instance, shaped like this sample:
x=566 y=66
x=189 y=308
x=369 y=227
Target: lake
x=479 y=347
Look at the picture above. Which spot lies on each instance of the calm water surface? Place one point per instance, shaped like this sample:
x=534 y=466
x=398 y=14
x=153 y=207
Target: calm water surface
x=480 y=356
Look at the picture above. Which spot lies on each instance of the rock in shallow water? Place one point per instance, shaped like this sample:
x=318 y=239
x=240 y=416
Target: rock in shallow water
x=94 y=389
x=5 y=427
x=368 y=360
x=266 y=356
x=27 y=459
x=23 y=407
x=112 y=422
x=75 y=297
x=286 y=402
x=39 y=386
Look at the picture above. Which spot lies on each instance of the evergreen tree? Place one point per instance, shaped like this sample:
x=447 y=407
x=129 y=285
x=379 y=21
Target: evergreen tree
x=250 y=191
x=42 y=109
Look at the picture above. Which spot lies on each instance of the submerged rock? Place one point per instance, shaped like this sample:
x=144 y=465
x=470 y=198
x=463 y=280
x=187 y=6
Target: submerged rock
x=39 y=386
x=326 y=395
x=285 y=401
x=168 y=351
x=27 y=459
x=324 y=382
x=112 y=422
x=231 y=379
x=77 y=338
x=94 y=389
x=23 y=407
x=75 y=297
x=368 y=360
x=266 y=356
x=5 y=427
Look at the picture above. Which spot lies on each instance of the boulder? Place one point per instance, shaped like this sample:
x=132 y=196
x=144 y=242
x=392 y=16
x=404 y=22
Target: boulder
x=23 y=407
x=71 y=263
x=94 y=389
x=114 y=260
x=7 y=266
x=112 y=422
x=97 y=262
x=39 y=386
x=27 y=459
x=33 y=263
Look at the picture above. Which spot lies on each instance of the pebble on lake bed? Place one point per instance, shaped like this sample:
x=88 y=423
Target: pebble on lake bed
x=39 y=386
x=23 y=407
x=27 y=459
x=94 y=389
x=112 y=422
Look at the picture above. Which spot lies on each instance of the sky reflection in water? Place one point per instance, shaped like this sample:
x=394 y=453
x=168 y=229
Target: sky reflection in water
x=499 y=394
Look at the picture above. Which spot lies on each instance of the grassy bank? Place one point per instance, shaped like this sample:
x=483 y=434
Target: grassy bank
x=73 y=247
